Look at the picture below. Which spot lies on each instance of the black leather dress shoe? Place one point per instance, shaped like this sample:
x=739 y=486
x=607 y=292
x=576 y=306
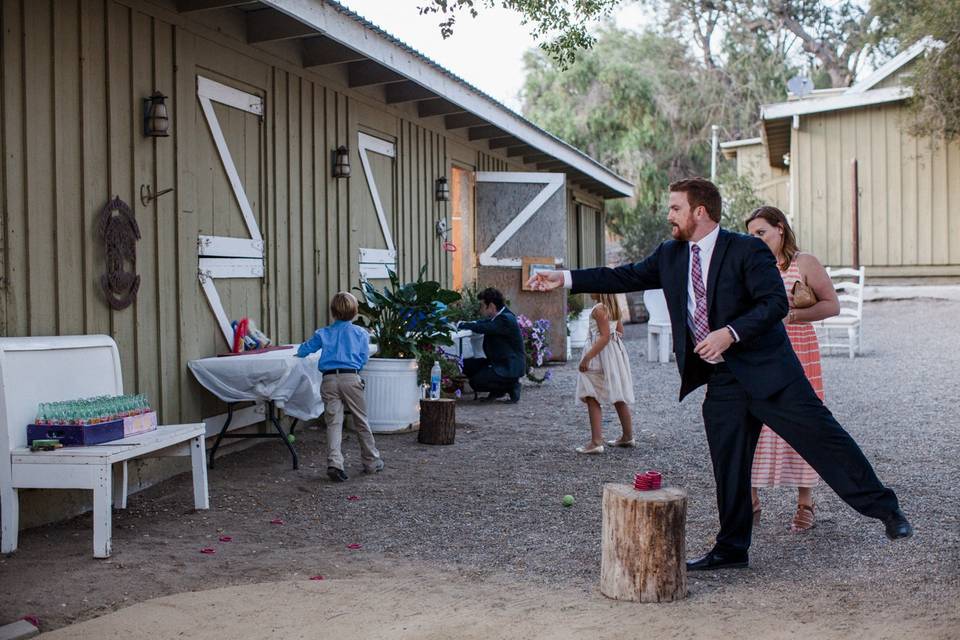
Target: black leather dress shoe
x=719 y=560
x=515 y=393
x=898 y=526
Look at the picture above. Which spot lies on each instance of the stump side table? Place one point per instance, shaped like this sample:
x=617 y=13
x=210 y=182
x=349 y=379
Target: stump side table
x=643 y=548
x=438 y=421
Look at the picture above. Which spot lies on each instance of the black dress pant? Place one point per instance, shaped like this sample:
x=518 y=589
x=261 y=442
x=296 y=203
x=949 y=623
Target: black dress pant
x=483 y=378
x=733 y=420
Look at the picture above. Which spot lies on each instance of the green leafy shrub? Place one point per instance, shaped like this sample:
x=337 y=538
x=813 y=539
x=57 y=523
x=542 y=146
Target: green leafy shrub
x=406 y=319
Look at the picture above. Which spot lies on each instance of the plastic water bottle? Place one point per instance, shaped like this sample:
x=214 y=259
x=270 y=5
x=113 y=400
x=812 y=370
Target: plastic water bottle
x=435 y=380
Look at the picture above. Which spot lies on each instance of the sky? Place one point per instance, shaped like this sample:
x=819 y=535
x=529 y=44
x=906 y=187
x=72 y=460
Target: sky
x=486 y=51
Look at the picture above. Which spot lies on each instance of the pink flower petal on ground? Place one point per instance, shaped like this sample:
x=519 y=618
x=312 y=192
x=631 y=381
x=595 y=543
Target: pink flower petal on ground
x=226 y=539
x=277 y=521
x=316 y=578
x=354 y=546
x=353 y=498
x=34 y=620
x=208 y=551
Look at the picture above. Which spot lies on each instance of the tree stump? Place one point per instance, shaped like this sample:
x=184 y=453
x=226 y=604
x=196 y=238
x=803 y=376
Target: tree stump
x=643 y=544
x=438 y=423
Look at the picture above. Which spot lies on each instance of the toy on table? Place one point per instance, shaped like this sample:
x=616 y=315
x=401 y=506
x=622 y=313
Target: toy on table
x=247 y=337
x=45 y=445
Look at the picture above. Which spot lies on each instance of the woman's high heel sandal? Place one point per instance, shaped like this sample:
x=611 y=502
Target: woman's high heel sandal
x=803 y=520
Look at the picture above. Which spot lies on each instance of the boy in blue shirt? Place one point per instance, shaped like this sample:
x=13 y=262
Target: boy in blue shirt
x=344 y=346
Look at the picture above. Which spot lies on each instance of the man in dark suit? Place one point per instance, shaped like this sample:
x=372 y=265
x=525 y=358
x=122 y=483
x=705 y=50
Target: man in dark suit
x=727 y=302
x=506 y=362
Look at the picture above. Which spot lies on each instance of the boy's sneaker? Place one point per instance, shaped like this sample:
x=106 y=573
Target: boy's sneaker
x=336 y=475
x=376 y=468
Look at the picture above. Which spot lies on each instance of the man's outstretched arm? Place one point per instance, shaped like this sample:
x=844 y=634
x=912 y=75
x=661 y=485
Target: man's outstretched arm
x=639 y=276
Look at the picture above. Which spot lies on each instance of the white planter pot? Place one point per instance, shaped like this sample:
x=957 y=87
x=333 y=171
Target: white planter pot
x=392 y=395
x=579 y=329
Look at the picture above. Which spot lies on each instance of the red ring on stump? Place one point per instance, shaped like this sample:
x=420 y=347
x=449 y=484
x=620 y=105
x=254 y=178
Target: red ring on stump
x=648 y=481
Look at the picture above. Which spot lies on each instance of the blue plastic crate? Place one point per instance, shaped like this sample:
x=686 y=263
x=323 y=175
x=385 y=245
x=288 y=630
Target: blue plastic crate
x=76 y=435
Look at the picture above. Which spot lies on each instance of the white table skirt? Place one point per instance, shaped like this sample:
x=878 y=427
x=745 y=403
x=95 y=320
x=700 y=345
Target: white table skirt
x=292 y=383
x=466 y=344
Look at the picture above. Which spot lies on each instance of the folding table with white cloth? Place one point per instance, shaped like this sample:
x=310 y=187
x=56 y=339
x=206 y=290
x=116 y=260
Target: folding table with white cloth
x=278 y=378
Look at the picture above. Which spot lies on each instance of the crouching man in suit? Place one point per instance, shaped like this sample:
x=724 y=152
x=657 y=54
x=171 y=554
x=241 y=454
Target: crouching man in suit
x=499 y=373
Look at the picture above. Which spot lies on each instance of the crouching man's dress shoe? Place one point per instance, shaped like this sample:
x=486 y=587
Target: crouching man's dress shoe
x=719 y=560
x=898 y=526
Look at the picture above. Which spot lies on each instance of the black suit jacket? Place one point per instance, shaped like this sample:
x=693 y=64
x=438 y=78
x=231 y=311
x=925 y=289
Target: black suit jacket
x=744 y=290
x=503 y=343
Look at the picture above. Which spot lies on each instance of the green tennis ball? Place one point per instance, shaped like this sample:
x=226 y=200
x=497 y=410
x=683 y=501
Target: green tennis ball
x=568 y=501
x=291 y=437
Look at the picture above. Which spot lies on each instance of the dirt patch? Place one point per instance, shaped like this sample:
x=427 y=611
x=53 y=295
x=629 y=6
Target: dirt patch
x=423 y=604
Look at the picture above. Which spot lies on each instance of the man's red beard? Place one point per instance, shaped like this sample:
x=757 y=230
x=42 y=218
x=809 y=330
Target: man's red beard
x=679 y=233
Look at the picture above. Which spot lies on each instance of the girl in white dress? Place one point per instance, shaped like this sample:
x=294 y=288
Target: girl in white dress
x=605 y=374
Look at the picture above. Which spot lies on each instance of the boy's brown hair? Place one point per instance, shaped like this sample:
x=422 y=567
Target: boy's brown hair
x=344 y=306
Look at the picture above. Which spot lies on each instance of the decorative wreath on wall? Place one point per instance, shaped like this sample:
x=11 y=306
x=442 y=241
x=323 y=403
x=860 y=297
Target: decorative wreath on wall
x=119 y=231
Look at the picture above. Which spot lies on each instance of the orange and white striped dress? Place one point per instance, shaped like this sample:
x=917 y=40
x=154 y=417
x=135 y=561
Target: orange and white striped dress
x=775 y=463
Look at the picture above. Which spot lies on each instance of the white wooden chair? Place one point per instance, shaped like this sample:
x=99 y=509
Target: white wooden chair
x=50 y=369
x=658 y=326
x=846 y=329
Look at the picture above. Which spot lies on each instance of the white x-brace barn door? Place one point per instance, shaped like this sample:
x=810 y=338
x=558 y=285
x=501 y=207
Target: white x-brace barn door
x=220 y=256
x=375 y=262
x=494 y=196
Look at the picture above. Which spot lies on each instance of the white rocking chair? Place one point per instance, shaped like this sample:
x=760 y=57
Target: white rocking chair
x=846 y=329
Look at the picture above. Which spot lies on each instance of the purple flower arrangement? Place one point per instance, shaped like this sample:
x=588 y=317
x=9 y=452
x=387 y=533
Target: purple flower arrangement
x=536 y=335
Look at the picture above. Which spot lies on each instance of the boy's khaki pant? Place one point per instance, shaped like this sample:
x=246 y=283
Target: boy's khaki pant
x=339 y=391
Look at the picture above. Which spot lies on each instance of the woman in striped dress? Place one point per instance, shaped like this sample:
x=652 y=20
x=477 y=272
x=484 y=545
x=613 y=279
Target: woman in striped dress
x=775 y=463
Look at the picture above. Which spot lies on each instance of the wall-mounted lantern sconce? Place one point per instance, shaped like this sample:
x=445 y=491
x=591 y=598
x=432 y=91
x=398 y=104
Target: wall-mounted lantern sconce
x=156 y=122
x=341 y=162
x=442 y=191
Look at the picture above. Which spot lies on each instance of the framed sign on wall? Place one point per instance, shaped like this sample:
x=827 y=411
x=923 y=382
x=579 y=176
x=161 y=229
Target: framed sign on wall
x=530 y=265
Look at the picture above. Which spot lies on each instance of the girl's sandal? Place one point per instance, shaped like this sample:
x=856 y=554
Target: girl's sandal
x=803 y=519
x=620 y=442
x=590 y=449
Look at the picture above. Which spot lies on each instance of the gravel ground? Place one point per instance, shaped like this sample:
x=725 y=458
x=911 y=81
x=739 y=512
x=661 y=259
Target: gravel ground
x=490 y=507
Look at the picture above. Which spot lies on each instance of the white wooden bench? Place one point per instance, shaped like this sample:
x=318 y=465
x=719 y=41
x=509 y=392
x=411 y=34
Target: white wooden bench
x=49 y=369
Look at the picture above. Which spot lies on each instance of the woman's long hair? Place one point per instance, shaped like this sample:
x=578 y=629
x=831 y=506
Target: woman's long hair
x=775 y=218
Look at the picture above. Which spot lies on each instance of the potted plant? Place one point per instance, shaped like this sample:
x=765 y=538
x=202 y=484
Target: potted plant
x=404 y=320
x=452 y=379
x=578 y=322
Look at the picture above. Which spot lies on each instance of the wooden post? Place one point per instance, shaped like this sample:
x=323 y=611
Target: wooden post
x=855 y=223
x=643 y=544
x=438 y=421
